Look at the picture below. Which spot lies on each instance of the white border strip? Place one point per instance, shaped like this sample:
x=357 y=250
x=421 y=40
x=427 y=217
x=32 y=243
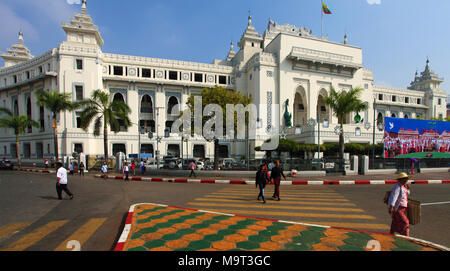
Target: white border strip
x=423 y=241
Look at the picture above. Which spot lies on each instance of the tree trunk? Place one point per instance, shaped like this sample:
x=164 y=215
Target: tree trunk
x=105 y=143
x=55 y=138
x=341 y=147
x=216 y=154
x=19 y=160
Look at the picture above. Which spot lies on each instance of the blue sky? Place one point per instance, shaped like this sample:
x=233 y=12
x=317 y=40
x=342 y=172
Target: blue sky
x=396 y=35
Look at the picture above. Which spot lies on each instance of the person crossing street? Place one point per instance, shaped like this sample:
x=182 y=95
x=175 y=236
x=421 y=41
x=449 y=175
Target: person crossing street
x=260 y=181
x=275 y=175
x=61 y=185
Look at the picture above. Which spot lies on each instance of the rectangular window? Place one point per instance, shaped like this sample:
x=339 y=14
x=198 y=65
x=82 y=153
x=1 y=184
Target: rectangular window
x=439 y=101
x=79 y=93
x=198 y=77
x=394 y=98
x=146 y=73
x=78 y=148
x=27 y=75
x=222 y=80
x=407 y=100
x=78 y=119
x=49 y=67
x=118 y=70
x=40 y=70
x=173 y=75
x=419 y=101
x=79 y=64
x=15 y=79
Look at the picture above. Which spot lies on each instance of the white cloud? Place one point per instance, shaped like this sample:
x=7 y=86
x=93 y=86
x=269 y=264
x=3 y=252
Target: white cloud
x=71 y=2
x=374 y=2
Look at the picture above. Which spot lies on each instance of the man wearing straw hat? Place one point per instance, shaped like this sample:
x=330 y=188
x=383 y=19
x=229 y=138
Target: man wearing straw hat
x=398 y=205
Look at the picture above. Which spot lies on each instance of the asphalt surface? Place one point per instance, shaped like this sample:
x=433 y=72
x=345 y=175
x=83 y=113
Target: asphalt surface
x=95 y=217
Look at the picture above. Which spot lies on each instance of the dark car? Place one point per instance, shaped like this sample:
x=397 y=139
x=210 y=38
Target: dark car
x=6 y=164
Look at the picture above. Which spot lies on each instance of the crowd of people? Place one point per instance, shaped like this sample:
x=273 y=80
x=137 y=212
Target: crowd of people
x=395 y=146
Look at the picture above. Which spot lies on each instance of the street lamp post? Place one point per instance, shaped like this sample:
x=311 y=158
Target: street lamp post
x=374 y=123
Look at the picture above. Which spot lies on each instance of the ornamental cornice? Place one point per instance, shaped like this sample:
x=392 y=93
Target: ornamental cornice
x=28 y=64
x=164 y=63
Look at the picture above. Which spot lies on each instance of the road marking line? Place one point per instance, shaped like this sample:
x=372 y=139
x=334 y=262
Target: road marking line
x=237 y=199
x=290 y=214
x=435 y=203
x=34 y=237
x=284 y=198
x=83 y=233
x=13 y=228
x=281 y=207
x=284 y=194
x=349 y=216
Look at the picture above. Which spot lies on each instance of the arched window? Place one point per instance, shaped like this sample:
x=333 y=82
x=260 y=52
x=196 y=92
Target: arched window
x=118 y=97
x=393 y=115
x=16 y=108
x=380 y=118
x=29 y=113
x=173 y=101
x=146 y=104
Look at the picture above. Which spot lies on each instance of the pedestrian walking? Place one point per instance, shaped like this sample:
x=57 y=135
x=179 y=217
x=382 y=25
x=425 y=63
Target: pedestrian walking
x=46 y=163
x=260 y=181
x=275 y=175
x=133 y=168
x=105 y=170
x=61 y=185
x=142 y=167
x=126 y=170
x=71 y=168
x=192 y=166
x=81 y=168
x=398 y=205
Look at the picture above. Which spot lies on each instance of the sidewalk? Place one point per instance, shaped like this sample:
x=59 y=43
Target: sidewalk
x=154 y=227
x=421 y=178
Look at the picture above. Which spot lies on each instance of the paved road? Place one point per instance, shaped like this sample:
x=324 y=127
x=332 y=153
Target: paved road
x=31 y=217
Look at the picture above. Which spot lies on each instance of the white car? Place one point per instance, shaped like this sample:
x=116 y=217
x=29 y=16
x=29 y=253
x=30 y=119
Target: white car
x=200 y=165
x=152 y=165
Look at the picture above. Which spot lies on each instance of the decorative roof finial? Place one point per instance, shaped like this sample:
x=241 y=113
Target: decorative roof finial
x=231 y=46
x=427 y=67
x=345 y=39
x=83 y=7
x=20 y=36
x=249 y=18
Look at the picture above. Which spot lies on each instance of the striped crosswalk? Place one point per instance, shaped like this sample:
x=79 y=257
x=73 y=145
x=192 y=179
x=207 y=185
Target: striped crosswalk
x=320 y=206
x=25 y=240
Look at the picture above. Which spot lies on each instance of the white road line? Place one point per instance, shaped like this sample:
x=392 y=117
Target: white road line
x=435 y=203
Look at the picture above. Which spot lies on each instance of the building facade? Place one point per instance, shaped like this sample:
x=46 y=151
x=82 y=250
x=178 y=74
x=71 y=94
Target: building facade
x=286 y=66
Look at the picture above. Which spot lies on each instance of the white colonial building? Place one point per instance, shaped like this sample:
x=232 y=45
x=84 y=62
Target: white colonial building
x=285 y=63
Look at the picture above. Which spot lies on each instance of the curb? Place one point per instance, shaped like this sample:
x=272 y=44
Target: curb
x=367 y=182
x=128 y=223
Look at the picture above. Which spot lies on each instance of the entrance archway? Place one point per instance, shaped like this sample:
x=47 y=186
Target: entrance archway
x=300 y=107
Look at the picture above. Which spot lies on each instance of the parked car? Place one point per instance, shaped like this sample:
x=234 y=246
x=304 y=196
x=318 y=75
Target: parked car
x=238 y=166
x=172 y=163
x=153 y=165
x=6 y=164
x=200 y=165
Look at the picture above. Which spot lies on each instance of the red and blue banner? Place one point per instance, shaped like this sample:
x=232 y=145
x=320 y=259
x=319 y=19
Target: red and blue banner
x=413 y=138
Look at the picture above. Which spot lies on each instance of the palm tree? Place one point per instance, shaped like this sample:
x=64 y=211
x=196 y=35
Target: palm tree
x=56 y=102
x=343 y=103
x=19 y=124
x=106 y=112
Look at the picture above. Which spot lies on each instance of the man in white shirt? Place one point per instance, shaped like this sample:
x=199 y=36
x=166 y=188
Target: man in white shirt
x=61 y=176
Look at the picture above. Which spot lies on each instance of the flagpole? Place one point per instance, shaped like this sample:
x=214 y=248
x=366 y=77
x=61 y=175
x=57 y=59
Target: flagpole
x=321 y=15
